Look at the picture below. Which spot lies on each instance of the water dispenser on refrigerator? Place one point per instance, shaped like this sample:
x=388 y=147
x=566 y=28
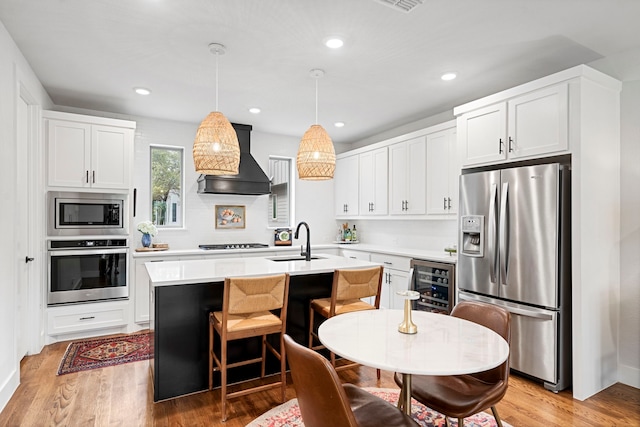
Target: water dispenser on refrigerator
x=472 y=230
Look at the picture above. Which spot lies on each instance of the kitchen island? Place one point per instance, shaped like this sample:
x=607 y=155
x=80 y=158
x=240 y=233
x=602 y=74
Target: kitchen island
x=183 y=293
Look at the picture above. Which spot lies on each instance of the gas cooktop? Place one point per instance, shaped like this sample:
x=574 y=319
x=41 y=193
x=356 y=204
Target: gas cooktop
x=233 y=246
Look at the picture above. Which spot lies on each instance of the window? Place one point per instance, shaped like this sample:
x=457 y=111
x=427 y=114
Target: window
x=167 y=189
x=281 y=198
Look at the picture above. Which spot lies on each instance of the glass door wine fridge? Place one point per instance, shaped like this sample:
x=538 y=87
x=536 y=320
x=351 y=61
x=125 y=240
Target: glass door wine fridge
x=435 y=281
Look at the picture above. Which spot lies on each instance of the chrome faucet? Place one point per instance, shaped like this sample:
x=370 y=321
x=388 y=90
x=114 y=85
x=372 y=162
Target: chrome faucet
x=307 y=253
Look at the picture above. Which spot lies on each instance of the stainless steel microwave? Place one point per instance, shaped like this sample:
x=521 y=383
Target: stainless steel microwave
x=80 y=214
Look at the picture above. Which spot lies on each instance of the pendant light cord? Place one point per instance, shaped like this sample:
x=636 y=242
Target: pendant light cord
x=217 y=54
x=316 y=100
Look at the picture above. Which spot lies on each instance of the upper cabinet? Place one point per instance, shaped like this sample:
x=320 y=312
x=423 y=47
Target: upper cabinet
x=442 y=173
x=407 y=177
x=345 y=184
x=373 y=182
x=526 y=126
x=88 y=152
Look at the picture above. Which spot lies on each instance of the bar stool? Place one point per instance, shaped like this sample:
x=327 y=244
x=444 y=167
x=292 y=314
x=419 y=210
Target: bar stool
x=247 y=311
x=348 y=287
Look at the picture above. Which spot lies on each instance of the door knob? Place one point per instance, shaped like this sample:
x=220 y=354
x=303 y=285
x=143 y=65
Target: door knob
x=28 y=259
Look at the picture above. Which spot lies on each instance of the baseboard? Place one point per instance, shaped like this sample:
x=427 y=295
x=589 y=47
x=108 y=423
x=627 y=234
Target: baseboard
x=9 y=387
x=629 y=375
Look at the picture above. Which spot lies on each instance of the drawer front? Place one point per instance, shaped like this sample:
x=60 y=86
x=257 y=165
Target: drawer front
x=63 y=322
x=364 y=256
x=392 y=261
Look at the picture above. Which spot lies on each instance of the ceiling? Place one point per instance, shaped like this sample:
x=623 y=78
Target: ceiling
x=91 y=54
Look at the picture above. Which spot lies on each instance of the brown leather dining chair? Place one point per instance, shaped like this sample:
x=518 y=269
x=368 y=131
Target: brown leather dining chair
x=461 y=396
x=251 y=307
x=325 y=401
x=347 y=289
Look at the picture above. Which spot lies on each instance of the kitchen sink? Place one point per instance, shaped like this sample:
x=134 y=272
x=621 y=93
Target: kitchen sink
x=292 y=258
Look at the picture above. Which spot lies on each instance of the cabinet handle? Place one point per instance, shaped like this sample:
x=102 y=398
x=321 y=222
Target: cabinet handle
x=445 y=204
x=346 y=207
x=510 y=147
x=28 y=259
x=387 y=263
x=372 y=207
x=500 y=146
x=406 y=205
x=93 y=173
x=88 y=318
x=449 y=204
x=87 y=178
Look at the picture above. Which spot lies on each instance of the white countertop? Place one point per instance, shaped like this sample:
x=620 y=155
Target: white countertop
x=215 y=270
x=438 y=256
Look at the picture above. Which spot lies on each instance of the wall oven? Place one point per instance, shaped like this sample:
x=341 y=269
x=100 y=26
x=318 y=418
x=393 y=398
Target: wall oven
x=87 y=270
x=80 y=214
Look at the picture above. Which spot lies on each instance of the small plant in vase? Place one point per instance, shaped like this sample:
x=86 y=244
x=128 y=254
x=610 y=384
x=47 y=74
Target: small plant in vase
x=148 y=230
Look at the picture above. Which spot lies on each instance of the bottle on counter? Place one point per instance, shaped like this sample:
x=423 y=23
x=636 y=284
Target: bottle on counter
x=354 y=234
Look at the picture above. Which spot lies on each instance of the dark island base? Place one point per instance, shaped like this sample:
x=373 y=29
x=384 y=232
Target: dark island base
x=180 y=322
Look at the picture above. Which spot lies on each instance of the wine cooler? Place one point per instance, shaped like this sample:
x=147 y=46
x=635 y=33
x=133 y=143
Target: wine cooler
x=435 y=281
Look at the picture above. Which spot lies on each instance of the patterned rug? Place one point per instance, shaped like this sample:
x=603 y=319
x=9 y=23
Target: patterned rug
x=288 y=414
x=102 y=352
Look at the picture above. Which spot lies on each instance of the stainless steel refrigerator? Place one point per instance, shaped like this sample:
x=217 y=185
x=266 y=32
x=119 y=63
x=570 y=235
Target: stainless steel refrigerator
x=514 y=251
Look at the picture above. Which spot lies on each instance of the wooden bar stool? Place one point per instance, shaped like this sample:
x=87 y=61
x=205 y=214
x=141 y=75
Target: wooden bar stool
x=247 y=311
x=349 y=286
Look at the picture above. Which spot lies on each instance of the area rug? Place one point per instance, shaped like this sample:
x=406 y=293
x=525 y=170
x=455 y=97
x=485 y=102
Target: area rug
x=288 y=414
x=102 y=352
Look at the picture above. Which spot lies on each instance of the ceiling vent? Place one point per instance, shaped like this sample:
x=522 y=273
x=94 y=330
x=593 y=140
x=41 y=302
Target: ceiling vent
x=403 y=5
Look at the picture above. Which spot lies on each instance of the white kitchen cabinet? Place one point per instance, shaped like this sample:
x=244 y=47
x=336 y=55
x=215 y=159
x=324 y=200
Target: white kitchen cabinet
x=373 y=182
x=442 y=173
x=395 y=279
x=526 y=126
x=88 y=152
x=80 y=318
x=407 y=177
x=345 y=184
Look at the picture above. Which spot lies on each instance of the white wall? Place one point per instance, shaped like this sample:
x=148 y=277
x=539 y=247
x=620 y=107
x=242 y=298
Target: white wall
x=428 y=235
x=629 y=316
x=12 y=65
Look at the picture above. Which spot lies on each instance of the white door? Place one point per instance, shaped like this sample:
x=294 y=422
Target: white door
x=22 y=229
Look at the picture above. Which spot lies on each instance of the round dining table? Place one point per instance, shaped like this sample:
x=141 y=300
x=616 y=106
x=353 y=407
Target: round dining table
x=443 y=345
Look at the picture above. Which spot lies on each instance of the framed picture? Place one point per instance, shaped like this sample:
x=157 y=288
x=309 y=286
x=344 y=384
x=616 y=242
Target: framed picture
x=230 y=216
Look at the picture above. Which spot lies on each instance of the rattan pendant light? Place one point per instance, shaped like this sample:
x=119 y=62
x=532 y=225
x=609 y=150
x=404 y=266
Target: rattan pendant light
x=316 y=158
x=216 y=150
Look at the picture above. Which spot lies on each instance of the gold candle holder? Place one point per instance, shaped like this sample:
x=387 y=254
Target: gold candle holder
x=407 y=326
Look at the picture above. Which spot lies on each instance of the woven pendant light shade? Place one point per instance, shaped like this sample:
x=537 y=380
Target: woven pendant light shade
x=216 y=150
x=316 y=158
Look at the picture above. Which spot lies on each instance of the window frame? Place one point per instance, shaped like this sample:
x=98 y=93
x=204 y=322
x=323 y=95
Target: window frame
x=292 y=188
x=182 y=209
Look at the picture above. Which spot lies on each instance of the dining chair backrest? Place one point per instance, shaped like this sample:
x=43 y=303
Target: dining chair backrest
x=495 y=318
x=254 y=294
x=321 y=397
x=356 y=284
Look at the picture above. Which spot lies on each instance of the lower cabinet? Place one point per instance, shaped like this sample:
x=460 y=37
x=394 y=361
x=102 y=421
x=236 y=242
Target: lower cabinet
x=74 y=319
x=395 y=279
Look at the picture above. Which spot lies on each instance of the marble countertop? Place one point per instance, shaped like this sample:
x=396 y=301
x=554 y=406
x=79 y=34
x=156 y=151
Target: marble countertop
x=438 y=256
x=215 y=270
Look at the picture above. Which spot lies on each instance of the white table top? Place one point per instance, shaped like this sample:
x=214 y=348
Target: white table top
x=215 y=270
x=444 y=345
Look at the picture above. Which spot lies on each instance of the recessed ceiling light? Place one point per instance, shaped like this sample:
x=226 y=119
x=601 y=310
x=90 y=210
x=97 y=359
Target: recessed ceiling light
x=448 y=76
x=141 y=91
x=339 y=124
x=254 y=110
x=334 y=43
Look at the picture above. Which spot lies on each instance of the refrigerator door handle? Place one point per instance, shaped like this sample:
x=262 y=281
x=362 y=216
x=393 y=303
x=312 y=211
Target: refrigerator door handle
x=504 y=233
x=492 y=237
x=533 y=312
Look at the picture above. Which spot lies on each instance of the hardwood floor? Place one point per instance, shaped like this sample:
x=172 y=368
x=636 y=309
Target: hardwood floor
x=122 y=396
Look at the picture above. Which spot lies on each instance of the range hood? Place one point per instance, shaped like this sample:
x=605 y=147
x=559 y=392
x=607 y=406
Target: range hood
x=251 y=179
